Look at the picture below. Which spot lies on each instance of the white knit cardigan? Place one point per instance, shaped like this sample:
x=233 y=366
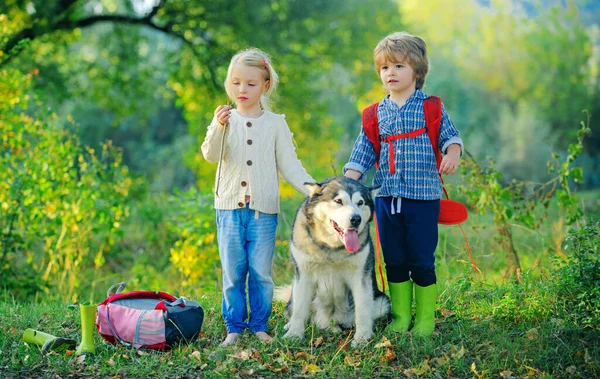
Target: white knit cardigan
x=256 y=150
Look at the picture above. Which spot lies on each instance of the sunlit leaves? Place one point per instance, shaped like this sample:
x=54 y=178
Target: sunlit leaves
x=64 y=203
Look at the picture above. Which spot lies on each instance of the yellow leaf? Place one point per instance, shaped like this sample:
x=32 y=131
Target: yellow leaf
x=195 y=355
x=384 y=343
x=351 y=361
x=311 y=368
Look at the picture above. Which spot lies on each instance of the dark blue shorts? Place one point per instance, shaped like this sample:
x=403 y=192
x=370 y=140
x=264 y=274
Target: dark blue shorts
x=408 y=233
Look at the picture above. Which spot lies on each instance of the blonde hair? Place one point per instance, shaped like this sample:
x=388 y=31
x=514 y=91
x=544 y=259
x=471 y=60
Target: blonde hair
x=401 y=46
x=254 y=57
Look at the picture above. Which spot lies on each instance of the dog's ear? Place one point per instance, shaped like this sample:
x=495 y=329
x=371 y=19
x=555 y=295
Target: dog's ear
x=314 y=188
x=374 y=190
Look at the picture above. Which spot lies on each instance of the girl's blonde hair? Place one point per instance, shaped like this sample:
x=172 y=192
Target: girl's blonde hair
x=401 y=46
x=254 y=57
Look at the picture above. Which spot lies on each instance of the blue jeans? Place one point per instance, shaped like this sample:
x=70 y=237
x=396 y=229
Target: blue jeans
x=246 y=248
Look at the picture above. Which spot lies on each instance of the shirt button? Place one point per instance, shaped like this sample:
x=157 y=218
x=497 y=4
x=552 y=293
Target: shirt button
x=248 y=124
x=240 y=204
x=249 y=163
x=244 y=184
x=249 y=142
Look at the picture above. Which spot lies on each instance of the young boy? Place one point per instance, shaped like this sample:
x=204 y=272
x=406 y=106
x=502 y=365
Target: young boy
x=408 y=203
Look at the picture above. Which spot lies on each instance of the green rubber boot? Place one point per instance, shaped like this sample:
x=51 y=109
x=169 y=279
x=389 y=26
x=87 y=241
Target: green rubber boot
x=48 y=342
x=401 y=295
x=88 y=319
x=425 y=299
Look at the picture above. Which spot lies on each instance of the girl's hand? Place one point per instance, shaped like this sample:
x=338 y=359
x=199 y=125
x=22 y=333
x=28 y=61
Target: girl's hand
x=223 y=112
x=450 y=160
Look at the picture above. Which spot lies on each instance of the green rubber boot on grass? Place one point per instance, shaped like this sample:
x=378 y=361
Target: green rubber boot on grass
x=401 y=295
x=48 y=342
x=88 y=320
x=425 y=299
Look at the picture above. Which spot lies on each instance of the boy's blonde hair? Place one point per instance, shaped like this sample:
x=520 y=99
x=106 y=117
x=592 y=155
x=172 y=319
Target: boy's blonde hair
x=254 y=57
x=401 y=46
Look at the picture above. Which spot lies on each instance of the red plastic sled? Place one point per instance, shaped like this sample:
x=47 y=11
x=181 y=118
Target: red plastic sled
x=452 y=212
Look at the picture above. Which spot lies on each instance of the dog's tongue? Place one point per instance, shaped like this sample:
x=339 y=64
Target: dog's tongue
x=351 y=240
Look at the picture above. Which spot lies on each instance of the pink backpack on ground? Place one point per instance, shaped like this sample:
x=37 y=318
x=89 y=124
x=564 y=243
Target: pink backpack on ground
x=148 y=319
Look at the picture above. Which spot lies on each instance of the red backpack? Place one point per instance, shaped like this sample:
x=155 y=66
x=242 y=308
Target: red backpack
x=433 y=117
x=451 y=212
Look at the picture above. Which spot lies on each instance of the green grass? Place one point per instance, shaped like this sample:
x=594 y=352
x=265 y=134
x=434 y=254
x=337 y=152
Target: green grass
x=518 y=329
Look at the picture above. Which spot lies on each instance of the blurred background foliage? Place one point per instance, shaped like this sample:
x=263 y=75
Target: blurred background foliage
x=104 y=104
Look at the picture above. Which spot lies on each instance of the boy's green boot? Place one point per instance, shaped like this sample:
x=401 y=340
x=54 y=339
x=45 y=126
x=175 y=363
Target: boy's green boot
x=48 y=342
x=401 y=295
x=425 y=299
x=88 y=319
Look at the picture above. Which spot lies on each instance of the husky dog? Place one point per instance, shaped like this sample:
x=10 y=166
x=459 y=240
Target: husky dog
x=333 y=253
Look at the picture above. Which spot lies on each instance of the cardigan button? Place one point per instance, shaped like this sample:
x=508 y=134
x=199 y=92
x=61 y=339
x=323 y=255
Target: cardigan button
x=240 y=204
x=244 y=184
x=249 y=142
x=249 y=163
x=248 y=124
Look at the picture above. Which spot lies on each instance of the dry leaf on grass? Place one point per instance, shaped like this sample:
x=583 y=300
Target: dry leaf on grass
x=318 y=342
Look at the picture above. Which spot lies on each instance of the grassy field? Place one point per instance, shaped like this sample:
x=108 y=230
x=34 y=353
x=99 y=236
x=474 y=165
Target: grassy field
x=542 y=322
x=521 y=329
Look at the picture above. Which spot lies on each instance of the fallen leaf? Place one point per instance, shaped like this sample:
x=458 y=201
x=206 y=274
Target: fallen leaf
x=389 y=356
x=310 y=368
x=68 y=353
x=318 y=342
x=302 y=355
x=456 y=354
x=587 y=357
x=195 y=355
x=440 y=361
x=474 y=368
x=343 y=345
x=81 y=359
x=272 y=368
x=249 y=371
x=242 y=354
x=572 y=370
x=507 y=374
x=532 y=334
x=446 y=313
x=384 y=343
x=352 y=361
x=111 y=362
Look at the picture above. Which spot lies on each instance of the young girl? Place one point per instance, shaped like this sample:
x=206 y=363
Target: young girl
x=252 y=146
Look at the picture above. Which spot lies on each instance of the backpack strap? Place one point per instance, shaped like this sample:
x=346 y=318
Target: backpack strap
x=433 y=118
x=370 y=125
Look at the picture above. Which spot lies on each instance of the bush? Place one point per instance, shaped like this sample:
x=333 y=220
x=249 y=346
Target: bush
x=62 y=203
x=578 y=275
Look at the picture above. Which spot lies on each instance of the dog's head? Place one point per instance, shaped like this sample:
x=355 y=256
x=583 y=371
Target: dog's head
x=344 y=207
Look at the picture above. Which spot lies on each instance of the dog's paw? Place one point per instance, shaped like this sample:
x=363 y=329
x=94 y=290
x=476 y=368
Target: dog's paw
x=286 y=326
x=361 y=339
x=294 y=333
x=335 y=329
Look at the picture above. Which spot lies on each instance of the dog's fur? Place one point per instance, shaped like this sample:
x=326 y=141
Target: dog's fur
x=333 y=253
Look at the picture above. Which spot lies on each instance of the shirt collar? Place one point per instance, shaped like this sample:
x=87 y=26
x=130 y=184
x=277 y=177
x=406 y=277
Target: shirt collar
x=418 y=94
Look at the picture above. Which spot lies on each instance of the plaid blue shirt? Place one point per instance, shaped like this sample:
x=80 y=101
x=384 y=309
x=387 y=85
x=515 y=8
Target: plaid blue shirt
x=416 y=176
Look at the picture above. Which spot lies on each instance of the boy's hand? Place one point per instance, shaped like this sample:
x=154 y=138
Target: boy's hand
x=223 y=112
x=450 y=160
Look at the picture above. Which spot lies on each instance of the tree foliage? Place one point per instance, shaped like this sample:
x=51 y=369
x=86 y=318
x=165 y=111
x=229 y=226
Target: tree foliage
x=62 y=203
